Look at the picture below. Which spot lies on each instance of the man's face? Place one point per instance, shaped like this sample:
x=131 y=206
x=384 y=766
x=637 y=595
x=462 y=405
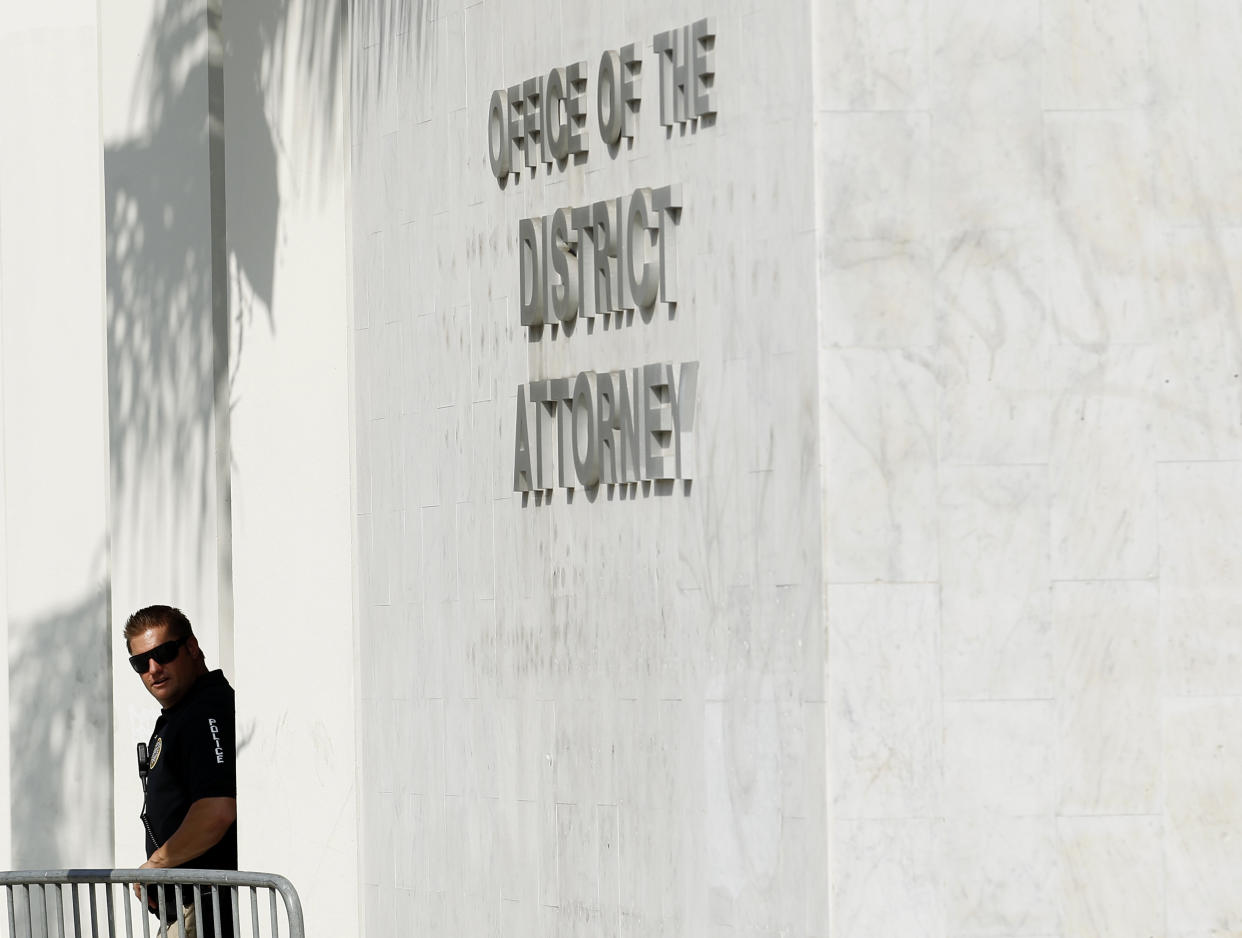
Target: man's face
x=168 y=683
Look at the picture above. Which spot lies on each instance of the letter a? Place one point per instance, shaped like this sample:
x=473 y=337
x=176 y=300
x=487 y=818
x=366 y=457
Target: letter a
x=521 y=446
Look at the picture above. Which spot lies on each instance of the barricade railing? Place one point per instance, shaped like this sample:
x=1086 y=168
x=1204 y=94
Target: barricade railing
x=103 y=904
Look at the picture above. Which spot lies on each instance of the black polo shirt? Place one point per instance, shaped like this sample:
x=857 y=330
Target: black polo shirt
x=192 y=755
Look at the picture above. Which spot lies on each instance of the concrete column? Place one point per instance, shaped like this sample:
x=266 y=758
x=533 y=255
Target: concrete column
x=167 y=368
x=55 y=763
x=287 y=239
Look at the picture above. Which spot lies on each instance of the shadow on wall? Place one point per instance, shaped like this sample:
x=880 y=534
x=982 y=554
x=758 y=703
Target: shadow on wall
x=159 y=285
x=162 y=364
x=60 y=705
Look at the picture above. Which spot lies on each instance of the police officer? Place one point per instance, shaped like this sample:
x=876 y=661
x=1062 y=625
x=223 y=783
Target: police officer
x=190 y=811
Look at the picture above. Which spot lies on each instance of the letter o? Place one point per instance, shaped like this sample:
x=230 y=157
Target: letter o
x=583 y=418
x=498 y=134
x=608 y=98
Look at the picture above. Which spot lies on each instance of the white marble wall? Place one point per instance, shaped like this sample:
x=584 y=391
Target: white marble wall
x=1030 y=418
x=602 y=716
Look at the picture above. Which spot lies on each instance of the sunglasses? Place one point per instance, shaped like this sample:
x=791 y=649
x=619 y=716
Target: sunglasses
x=162 y=654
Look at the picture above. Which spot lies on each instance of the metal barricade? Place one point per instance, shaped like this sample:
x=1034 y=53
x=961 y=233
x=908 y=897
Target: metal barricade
x=102 y=904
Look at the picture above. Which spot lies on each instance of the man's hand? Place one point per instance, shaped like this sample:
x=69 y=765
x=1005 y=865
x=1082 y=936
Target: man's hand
x=138 y=886
x=205 y=823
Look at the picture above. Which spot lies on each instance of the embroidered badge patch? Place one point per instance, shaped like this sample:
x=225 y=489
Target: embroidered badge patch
x=155 y=753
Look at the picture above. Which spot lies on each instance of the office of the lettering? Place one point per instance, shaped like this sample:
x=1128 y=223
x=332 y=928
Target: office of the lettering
x=541 y=120
x=687 y=72
x=618 y=92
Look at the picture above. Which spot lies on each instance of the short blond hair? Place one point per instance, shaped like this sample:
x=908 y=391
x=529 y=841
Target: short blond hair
x=151 y=617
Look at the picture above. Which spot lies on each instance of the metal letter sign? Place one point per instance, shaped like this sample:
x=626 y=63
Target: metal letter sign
x=606 y=257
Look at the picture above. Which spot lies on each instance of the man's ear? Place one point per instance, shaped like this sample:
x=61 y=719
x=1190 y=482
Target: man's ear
x=191 y=644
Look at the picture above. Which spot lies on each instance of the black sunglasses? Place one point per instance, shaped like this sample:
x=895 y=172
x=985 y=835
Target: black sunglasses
x=162 y=654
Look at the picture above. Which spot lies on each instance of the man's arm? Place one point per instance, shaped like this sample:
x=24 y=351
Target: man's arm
x=206 y=822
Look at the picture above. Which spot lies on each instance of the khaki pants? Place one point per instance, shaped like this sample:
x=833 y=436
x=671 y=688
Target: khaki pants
x=191 y=925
